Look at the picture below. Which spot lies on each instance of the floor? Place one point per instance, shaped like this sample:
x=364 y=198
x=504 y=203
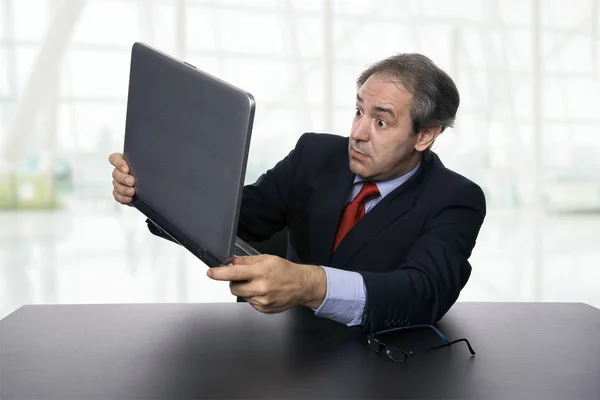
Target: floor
x=100 y=252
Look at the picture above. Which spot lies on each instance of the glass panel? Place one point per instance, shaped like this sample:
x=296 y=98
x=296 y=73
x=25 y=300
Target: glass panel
x=157 y=26
x=344 y=83
x=6 y=80
x=557 y=13
x=582 y=100
x=370 y=41
x=352 y=7
x=89 y=73
x=456 y=10
x=514 y=11
x=108 y=22
x=4 y=21
x=568 y=53
x=267 y=80
x=25 y=57
x=246 y=38
x=30 y=18
x=308 y=32
x=91 y=127
x=202 y=28
x=315 y=6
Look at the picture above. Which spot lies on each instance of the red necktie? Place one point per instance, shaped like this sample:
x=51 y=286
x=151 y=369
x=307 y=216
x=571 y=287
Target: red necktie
x=355 y=210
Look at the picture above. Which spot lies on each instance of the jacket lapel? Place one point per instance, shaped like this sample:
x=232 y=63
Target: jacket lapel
x=390 y=209
x=327 y=204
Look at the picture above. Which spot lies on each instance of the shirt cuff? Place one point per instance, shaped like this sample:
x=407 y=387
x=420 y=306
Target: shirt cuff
x=346 y=297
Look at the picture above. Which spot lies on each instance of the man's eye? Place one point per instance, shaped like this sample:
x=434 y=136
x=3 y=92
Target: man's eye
x=358 y=112
x=381 y=123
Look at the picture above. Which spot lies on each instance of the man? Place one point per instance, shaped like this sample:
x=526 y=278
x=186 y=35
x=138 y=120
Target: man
x=380 y=232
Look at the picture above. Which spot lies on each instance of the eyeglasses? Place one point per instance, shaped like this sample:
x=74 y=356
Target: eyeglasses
x=401 y=356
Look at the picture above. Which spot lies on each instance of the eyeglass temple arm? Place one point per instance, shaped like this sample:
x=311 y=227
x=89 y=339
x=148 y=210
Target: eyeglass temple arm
x=449 y=344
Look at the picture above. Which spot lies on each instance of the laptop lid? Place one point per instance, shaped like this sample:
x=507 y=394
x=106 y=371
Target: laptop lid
x=187 y=138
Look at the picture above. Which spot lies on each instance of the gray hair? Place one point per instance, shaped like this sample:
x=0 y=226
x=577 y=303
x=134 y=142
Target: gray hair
x=435 y=98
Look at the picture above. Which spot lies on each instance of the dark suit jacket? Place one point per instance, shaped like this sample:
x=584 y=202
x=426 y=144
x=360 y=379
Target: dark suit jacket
x=411 y=248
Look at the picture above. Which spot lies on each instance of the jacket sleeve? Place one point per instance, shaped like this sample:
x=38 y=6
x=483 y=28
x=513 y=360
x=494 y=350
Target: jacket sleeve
x=264 y=203
x=424 y=287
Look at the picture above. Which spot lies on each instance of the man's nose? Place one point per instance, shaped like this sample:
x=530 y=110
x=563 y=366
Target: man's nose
x=360 y=130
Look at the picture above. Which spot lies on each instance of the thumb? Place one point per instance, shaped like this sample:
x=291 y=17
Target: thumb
x=248 y=260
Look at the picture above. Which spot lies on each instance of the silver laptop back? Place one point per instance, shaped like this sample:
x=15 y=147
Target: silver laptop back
x=187 y=139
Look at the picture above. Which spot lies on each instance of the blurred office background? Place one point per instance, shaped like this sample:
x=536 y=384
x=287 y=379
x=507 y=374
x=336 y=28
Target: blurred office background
x=528 y=130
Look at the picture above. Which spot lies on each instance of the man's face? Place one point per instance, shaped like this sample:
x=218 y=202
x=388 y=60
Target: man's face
x=381 y=142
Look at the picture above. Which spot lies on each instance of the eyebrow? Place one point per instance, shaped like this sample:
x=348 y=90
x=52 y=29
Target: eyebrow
x=378 y=108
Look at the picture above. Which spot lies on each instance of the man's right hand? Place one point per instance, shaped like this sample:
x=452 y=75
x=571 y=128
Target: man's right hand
x=123 y=183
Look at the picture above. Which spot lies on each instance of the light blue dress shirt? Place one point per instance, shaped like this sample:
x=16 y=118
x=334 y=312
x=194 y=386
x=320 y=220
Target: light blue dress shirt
x=346 y=296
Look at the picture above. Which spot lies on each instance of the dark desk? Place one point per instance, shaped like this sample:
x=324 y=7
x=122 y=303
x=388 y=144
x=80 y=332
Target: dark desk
x=174 y=351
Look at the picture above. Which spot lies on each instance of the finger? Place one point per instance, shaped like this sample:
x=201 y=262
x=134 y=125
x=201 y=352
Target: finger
x=113 y=158
x=253 y=303
x=258 y=302
x=231 y=273
x=264 y=307
x=123 y=178
x=123 y=190
x=117 y=161
x=246 y=289
x=121 y=199
x=248 y=260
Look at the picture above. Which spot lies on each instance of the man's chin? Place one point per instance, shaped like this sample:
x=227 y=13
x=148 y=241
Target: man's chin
x=358 y=168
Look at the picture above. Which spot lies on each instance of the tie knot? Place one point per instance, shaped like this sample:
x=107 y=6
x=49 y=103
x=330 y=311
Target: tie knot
x=369 y=191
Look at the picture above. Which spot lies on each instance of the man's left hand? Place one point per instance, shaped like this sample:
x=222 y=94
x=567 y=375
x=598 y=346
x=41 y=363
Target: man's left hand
x=272 y=284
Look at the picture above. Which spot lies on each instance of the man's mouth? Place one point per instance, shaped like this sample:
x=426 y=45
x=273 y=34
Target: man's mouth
x=358 y=154
x=358 y=151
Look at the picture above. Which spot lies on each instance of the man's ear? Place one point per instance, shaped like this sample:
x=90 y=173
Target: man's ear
x=426 y=137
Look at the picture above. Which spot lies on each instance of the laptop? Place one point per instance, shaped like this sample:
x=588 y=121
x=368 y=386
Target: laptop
x=187 y=138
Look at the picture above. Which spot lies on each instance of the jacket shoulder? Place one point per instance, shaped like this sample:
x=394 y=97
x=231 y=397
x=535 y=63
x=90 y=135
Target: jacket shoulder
x=454 y=185
x=326 y=143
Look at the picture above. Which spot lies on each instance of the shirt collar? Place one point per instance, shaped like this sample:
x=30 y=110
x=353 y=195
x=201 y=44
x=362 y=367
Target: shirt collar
x=387 y=187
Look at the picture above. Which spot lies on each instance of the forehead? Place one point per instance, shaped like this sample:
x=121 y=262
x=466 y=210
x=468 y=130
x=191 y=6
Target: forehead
x=381 y=90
